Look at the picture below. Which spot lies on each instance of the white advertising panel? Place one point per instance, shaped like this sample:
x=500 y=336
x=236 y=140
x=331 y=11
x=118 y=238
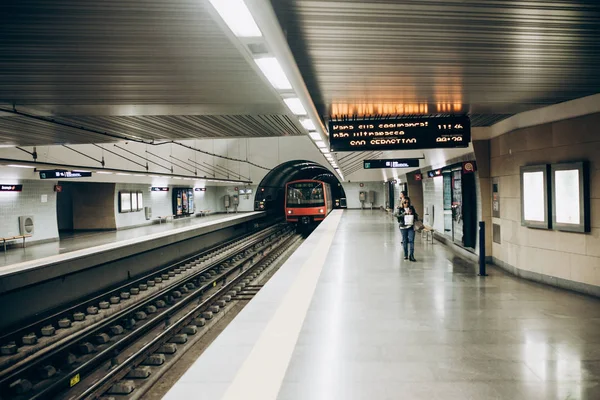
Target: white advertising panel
x=567 y=196
x=533 y=196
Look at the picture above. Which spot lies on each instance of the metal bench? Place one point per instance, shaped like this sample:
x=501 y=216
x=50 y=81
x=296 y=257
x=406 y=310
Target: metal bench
x=204 y=213
x=428 y=232
x=10 y=238
x=164 y=218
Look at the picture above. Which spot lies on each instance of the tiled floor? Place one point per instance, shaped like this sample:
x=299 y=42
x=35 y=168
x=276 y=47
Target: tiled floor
x=383 y=328
x=379 y=327
x=86 y=240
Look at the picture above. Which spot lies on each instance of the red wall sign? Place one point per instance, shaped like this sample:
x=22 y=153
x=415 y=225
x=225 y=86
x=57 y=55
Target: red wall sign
x=469 y=167
x=418 y=177
x=362 y=184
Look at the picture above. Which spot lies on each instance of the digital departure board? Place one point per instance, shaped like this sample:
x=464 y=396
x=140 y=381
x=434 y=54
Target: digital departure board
x=391 y=163
x=400 y=134
x=59 y=173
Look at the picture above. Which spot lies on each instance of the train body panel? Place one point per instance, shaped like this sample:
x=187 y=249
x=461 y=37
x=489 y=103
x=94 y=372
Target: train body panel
x=307 y=201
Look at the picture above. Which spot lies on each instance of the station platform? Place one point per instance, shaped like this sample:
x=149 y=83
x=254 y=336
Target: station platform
x=347 y=318
x=131 y=251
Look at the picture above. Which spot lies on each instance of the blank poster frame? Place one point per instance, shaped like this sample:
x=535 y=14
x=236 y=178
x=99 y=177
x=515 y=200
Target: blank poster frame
x=140 y=200
x=584 y=196
x=545 y=169
x=121 y=208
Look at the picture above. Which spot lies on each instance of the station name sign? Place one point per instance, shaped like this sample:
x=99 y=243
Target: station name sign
x=400 y=134
x=159 y=189
x=11 y=188
x=200 y=189
x=59 y=173
x=391 y=163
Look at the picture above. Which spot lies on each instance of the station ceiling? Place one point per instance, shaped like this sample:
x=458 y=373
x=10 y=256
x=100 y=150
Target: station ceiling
x=490 y=58
x=169 y=70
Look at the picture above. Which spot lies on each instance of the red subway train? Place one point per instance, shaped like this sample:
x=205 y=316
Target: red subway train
x=307 y=201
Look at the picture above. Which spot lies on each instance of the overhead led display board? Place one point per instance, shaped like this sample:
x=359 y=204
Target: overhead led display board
x=400 y=134
x=391 y=163
x=61 y=174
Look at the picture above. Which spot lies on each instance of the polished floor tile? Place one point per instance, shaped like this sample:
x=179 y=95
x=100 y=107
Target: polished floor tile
x=382 y=328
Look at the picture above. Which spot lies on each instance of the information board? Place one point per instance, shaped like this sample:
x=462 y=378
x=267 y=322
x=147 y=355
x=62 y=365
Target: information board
x=534 y=196
x=400 y=134
x=391 y=163
x=11 y=188
x=570 y=197
x=59 y=173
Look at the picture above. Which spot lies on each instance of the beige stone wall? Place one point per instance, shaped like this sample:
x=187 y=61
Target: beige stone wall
x=570 y=256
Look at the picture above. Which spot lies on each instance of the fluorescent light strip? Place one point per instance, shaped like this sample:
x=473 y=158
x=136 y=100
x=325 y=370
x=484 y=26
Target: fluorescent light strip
x=237 y=17
x=324 y=150
x=272 y=70
x=123 y=174
x=295 y=106
x=321 y=144
x=19 y=166
x=308 y=124
x=315 y=135
x=104 y=172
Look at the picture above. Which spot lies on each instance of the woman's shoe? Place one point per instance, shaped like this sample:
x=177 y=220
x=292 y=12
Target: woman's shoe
x=412 y=258
x=406 y=257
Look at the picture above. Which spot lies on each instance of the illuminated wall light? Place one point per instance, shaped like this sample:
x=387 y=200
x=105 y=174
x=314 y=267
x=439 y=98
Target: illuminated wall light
x=272 y=70
x=314 y=135
x=237 y=17
x=308 y=124
x=295 y=106
x=123 y=174
x=321 y=144
x=104 y=172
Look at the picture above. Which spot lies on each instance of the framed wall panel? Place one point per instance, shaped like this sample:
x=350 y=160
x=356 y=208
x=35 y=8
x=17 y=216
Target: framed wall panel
x=140 y=201
x=535 y=197
x=570 y=197
x=124 y=202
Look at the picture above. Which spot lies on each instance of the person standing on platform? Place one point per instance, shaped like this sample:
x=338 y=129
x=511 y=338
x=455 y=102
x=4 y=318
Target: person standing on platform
x=403 y=195
x=407 y=216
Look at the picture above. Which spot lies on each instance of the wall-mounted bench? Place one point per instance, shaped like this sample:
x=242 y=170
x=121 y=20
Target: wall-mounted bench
x=11 y=238
x=164 y=218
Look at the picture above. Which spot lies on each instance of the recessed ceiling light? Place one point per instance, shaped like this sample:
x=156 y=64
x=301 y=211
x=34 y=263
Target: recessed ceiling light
x=321 y=144
x=295 y=106
x=19 y=166
x=308 y=124
x=272 y=70
x=324 y=150
x=315 y=135
x=237 y=17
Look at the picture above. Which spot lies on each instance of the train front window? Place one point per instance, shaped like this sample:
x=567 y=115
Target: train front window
x=305 y=194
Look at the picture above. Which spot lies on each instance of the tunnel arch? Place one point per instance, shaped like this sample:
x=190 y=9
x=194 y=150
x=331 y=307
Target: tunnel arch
x=271 y=189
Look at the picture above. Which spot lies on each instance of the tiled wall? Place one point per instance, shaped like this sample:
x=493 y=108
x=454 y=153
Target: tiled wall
x=29 y=202
x=569 y=256
x=353 y=189
x=160 y=202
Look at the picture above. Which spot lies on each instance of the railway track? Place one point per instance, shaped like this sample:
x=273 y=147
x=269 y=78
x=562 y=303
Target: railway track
x=141 y=326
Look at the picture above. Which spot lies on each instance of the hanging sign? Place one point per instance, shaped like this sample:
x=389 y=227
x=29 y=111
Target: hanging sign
x=159 y=189
x=200 y=189
x=11 y=188
x=59 y=173
x=400 y=134
x=391 y=163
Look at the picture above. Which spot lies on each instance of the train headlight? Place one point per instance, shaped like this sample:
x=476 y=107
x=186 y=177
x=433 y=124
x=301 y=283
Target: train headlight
x=321 y=211
x=289 y=211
